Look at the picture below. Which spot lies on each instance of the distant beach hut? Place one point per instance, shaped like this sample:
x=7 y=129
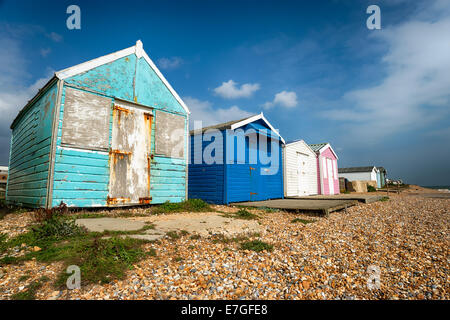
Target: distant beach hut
x=236 y=161
x=327 y=169
x=300 y=169
x=359 y=173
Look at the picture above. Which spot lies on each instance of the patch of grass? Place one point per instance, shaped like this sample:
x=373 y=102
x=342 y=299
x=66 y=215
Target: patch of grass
x=241 y=214
x=223 y=239
x=191 y=205
x=151 y=252
x=256 y=245
x=24 y=278
x=304 y=221
x=3 y=244
x=184 y=232
x=178 y=259
x=29 y=293
x=269 y=210
x=384 y=199
x=100 y=260
x=371 y=188
x=89 y=215
x=173 y=235
x=195 y=237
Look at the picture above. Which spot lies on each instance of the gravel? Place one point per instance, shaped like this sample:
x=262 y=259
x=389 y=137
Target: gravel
x=406 y=238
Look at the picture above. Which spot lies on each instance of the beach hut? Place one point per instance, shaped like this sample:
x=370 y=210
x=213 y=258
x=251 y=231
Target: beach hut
x=383 y=174
x=236 y=161
x=108 y=132
x=327 y=169
x=300 y=169
x=359 y=173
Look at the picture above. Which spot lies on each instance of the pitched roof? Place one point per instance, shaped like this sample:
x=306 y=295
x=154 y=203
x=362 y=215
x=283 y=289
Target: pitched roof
x=355 y=169
x=137 y=49
x=317 y=146
x=240 y=123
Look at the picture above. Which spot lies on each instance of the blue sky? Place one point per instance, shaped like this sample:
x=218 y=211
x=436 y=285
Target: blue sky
x=380 y=97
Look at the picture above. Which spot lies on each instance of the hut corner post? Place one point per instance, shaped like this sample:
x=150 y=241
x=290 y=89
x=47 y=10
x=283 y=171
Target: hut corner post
x=52 y=155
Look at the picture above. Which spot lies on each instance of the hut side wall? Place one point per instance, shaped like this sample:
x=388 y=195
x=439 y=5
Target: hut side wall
x=29 y=153
x=206 y=181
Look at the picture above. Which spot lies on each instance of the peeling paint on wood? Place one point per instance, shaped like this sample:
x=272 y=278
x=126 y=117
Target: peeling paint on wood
x=86 y=121
x=130 y=151
x=170 y=139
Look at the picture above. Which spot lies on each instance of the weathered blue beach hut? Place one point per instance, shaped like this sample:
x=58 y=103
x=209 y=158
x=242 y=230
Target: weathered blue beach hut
x=108 y=132
x=236 y=161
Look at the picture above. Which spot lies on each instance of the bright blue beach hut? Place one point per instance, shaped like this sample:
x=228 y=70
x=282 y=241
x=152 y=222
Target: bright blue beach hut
x=236 y=161
x=108 y=132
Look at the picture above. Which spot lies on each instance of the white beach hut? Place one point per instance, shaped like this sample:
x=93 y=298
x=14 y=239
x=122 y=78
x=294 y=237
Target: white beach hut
x=300 y=169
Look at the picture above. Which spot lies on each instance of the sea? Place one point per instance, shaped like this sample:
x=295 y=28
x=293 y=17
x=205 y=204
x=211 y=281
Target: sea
x=439 y=188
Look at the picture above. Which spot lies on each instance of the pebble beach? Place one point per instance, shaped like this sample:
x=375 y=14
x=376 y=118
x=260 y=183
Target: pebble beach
x=405 y=239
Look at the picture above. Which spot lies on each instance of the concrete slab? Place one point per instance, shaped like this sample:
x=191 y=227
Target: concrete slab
x=208 y=224
x=322 y=206
x=110 y=224
x=203 y=224
x=364 y=198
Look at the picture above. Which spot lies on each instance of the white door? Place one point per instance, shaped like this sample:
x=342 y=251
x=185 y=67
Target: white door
x=301 y=174
x=330 y=176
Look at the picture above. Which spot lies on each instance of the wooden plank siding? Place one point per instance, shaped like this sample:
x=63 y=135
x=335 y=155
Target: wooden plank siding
x=29 y=153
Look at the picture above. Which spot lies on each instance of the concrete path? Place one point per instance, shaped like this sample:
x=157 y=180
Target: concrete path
x=203 y=224
x=110 y=224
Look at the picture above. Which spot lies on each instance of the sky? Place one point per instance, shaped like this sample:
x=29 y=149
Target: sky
x=380 y=97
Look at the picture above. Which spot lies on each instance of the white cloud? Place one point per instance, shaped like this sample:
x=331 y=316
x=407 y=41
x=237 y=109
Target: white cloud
x=287 y=99
x=169 y=63
x=14 y=92
x=55 y=36
x=230 y=90
x=45 y=52
x=415 y=91
x=204 y=111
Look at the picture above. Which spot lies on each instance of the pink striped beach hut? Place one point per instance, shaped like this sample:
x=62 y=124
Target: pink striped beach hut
x=327 y=169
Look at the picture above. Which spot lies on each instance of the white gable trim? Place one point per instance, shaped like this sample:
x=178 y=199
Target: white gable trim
x=138 y=50
x=253 y=119
x=91 y=64
x=328 y=146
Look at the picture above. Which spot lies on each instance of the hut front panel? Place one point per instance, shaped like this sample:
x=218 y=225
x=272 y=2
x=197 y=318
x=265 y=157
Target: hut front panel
x=88 y=174
x=249 y=178
x=300 y=165
x=29 y=153
x=329 y=172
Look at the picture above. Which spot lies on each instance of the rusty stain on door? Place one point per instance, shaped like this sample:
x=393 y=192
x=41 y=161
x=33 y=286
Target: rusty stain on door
x=130 y=156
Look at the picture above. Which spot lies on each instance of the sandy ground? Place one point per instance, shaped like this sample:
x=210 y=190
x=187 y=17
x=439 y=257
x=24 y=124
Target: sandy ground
x=405 y=240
